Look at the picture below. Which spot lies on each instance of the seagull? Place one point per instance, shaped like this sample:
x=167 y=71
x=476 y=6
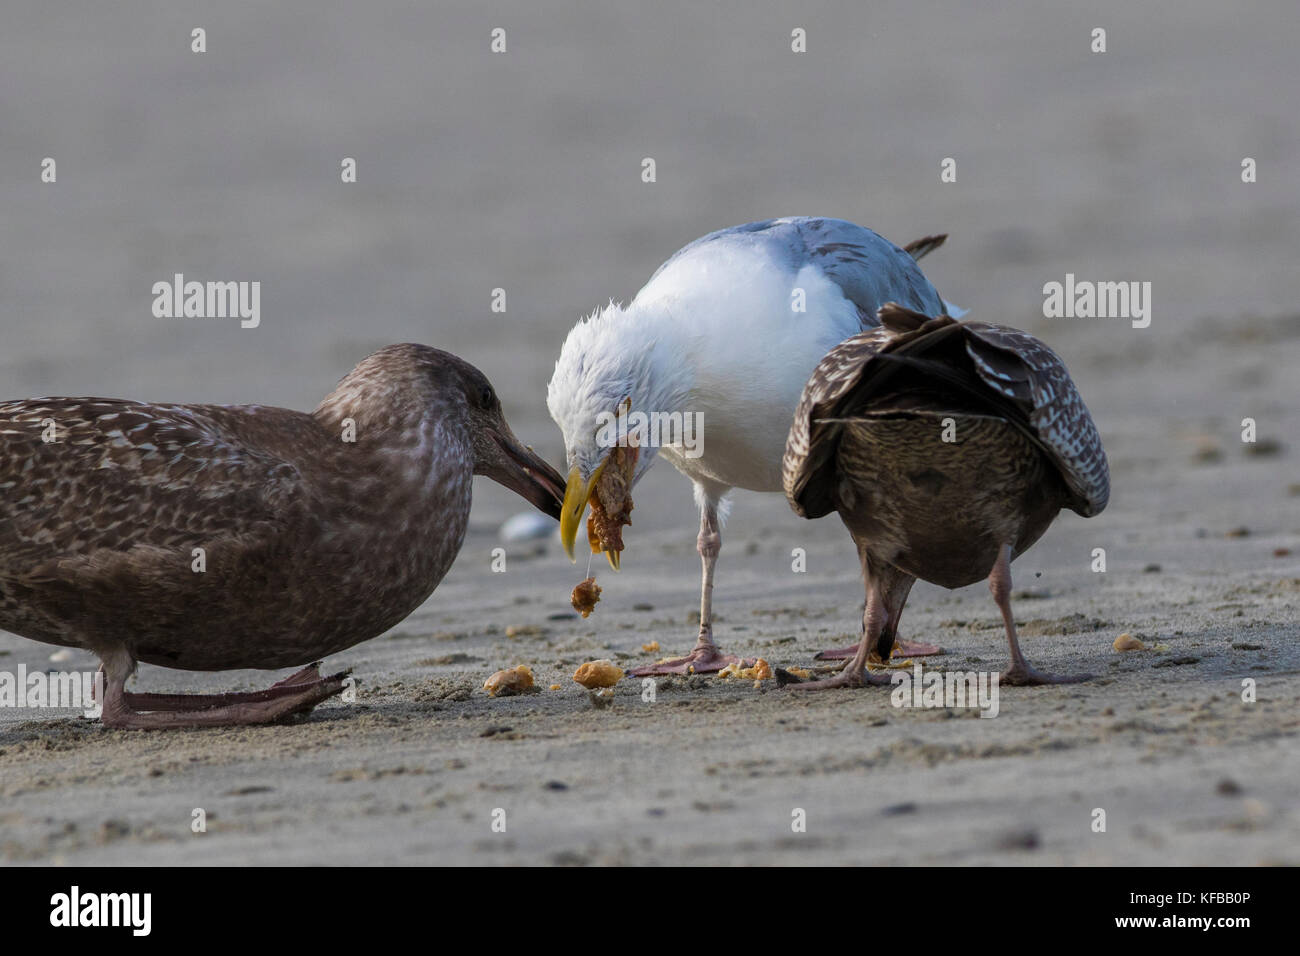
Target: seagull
x=727 y=331
x=947 y=449
x=213 y=537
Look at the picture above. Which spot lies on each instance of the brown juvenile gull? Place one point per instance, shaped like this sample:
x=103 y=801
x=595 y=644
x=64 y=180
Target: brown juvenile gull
x=725 y=334
x=317 y=530
x=947 y=448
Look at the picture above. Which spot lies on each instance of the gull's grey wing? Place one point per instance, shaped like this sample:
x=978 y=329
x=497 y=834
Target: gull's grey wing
x=869 y=269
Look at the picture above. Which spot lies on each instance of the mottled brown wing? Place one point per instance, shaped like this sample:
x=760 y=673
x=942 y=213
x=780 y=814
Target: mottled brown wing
x=1019 y=366
x=120 y=475
x=846 y=379
x=812 y=440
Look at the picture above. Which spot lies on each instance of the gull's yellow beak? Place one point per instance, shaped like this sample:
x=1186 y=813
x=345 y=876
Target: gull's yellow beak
x=576 y=493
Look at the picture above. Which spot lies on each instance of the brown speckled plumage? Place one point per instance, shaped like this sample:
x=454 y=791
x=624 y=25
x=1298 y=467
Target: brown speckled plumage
x=868 y=441
x=311 y=543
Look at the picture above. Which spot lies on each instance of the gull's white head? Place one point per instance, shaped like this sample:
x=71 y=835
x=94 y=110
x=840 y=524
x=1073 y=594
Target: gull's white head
x=610 y=363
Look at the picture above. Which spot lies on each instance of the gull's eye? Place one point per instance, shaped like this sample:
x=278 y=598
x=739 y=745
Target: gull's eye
x=486 y=397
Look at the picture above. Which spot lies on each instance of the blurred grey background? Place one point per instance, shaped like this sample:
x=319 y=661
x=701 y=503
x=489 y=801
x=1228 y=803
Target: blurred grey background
x=522 y=171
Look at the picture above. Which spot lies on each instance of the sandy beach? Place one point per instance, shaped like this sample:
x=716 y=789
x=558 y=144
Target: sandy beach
x=521 y=171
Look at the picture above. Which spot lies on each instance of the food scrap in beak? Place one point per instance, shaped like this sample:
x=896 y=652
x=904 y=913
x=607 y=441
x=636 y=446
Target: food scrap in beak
x=611 y=505
x=608 y=492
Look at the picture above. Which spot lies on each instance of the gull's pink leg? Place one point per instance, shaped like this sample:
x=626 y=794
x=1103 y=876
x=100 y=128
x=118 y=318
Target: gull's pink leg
x=855 y=673
x=902 y=649
x=896 y=590
x=887 y=590
x=705 y=657
x=1019 y=673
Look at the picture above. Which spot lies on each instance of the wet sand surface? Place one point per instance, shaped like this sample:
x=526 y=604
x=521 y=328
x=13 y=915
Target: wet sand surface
x=522 y=172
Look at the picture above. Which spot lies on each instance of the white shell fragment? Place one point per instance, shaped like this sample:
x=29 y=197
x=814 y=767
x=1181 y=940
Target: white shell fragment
x=527 y=526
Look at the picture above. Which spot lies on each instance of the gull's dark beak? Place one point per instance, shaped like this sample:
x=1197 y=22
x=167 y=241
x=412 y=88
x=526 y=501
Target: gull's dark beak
x=522 y=471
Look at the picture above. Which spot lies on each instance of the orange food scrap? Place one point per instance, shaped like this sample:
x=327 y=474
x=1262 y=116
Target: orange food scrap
x=584 y=596
x=1127 y=642
x=611 y=501
x=651 y=647
x=603 y=673
x=506 y=683
x=761 y=670
x=875 y=663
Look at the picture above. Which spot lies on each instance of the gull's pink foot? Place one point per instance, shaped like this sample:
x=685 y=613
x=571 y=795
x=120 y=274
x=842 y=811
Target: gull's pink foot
x=705 y=659
x=837 y=654
x=296 y=694
x=902 y=649
x=1026 y=676
x=845 y=678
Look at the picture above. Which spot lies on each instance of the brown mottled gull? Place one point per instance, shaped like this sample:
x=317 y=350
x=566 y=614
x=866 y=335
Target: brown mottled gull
x=947 y=449
x=211 y=537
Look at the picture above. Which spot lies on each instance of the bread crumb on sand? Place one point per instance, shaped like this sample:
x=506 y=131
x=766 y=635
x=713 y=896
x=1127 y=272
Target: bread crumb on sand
x=506 y=683
x=761 y=670
x=1127 y=642
x=602 y=673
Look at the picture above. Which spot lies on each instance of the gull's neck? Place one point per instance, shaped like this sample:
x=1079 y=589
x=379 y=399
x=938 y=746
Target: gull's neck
x=656 y=359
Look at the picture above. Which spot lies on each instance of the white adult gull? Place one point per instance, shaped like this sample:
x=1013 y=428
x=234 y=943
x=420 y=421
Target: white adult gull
x=729 y=328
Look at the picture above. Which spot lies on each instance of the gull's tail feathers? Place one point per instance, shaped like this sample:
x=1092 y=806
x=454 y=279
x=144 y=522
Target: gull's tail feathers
x=922 y=247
